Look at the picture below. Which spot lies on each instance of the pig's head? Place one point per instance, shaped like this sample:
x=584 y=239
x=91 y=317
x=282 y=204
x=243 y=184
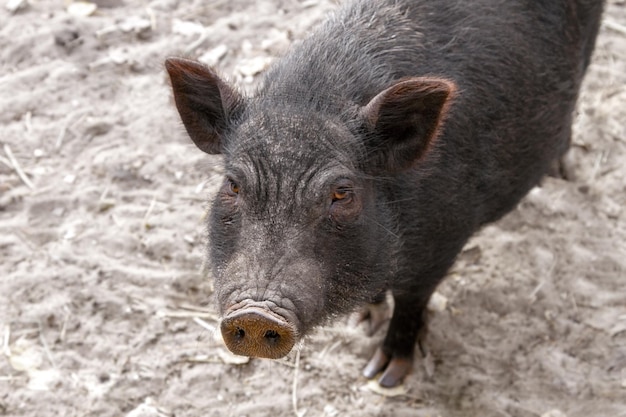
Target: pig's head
x=302 y=227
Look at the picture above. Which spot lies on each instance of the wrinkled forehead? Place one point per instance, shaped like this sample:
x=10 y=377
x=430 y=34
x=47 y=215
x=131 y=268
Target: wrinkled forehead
x=292 y=146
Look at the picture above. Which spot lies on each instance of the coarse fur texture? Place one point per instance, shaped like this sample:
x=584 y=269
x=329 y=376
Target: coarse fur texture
x=434 y=118
x=105 y=307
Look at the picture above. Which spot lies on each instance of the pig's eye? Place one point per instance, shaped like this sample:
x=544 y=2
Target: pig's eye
x=345 y=204
x=232 y=187
x=340 y=194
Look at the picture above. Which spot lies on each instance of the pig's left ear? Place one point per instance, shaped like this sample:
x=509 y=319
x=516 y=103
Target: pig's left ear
x=402 y=122
x=206 y=103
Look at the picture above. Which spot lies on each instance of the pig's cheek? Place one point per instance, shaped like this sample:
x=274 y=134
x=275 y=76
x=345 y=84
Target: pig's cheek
x=342 y=213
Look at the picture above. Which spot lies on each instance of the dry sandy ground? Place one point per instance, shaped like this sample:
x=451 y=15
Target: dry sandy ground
x=105 y=310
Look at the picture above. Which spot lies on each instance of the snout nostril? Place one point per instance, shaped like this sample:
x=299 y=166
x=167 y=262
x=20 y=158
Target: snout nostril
x=272 y=335
x=240 y=333
x=258 y=332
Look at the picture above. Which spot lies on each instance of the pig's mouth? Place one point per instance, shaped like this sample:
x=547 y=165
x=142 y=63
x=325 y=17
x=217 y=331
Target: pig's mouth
x=257 y=329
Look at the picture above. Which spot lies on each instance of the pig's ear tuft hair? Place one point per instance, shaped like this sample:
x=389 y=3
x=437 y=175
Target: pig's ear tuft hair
x=206 y=103
x=402 y=122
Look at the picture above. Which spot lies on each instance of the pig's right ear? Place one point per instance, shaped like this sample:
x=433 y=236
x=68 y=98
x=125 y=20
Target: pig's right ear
x=402 y=122
x=205 y=102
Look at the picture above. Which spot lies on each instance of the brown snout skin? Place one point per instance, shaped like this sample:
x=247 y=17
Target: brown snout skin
x=257 y=331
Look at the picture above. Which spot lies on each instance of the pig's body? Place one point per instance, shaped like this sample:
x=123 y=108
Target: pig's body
x=373 y=151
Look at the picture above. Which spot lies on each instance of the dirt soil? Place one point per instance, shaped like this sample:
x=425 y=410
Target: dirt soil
x=104 y=306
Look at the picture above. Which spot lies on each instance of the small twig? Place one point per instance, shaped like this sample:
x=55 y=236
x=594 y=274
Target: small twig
x=6 y=347
x=105 y=192
x=187 y=315
x=200 y=187
x=534 y=292
x=16 y=167
x=329 y=348
x=69 y=124
x=199 y=359
x=153 y=18
x=294 y=388
x=193 y=198
x=285 y=362
x=150 y=208
x=28 y=122
x=72 y=128
x=63 y=331
x=209 y=327
x=617 y=27
x=45 y=346
x=25 y=239
x=597 y=165
x=25 y=333
x=191 y=307
x=59 y=141
x=13 y=378
x=203 y=37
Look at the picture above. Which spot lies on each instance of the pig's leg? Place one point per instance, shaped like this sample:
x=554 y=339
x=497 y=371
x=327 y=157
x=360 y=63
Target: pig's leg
x=374 y=314
x=563 y=166
x=395 y=357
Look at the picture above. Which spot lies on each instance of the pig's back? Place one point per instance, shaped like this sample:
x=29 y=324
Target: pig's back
x=517 y=65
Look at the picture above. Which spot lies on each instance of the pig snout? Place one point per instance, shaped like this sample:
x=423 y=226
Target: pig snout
x=255 y=330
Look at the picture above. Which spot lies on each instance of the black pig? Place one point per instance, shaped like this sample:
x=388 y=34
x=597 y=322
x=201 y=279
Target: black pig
x=372 y=152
